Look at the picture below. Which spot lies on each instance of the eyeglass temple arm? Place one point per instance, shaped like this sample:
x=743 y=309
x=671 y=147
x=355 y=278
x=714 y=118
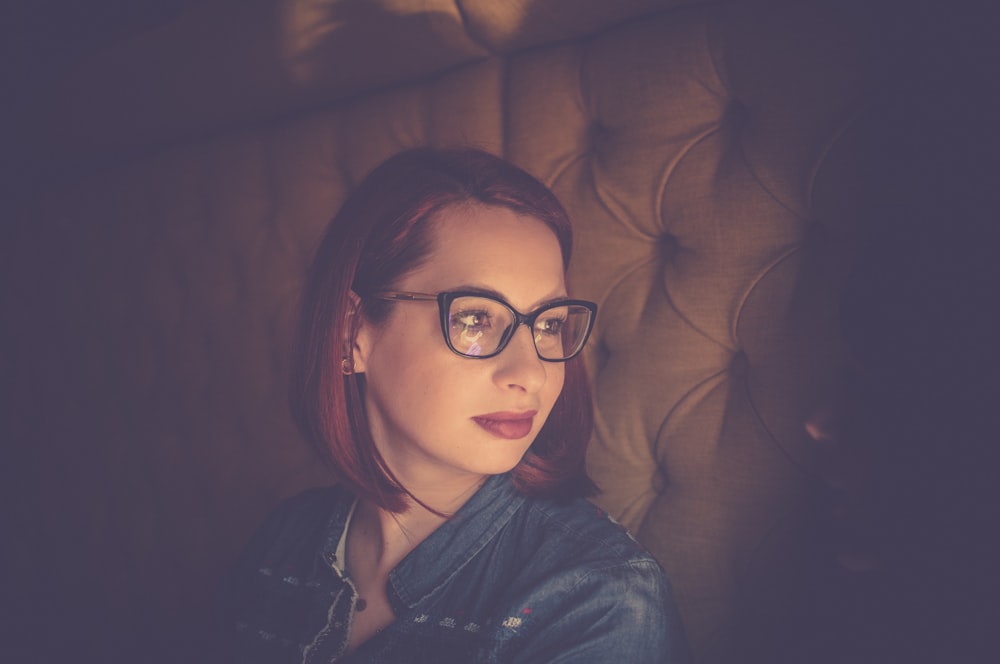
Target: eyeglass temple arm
x=405 y=296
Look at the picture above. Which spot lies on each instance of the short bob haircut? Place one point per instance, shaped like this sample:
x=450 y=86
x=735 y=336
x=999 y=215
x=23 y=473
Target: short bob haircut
x=379 y=235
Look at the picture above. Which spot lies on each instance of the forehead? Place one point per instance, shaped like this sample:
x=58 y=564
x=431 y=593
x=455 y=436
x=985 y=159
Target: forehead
x=494 y=248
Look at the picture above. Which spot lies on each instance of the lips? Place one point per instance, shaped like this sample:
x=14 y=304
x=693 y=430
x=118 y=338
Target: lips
x=507 y=425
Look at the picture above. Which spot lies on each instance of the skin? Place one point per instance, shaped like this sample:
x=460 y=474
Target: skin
x=422 y=398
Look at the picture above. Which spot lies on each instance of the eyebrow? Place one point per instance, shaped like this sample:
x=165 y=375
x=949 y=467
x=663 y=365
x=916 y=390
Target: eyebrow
x=480 y=290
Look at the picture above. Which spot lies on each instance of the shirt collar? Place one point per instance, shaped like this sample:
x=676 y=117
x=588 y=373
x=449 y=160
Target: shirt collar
x=454 y=543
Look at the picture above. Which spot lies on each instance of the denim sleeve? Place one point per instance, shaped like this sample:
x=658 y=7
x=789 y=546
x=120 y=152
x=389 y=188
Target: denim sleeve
x=623 y=613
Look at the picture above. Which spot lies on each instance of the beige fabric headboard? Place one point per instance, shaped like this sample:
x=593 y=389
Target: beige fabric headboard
x=704 y=151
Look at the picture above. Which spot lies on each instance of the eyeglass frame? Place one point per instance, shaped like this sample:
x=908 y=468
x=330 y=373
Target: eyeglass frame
x=445 y=298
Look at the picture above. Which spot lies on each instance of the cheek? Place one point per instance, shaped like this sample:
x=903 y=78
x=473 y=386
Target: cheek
x=554 y=381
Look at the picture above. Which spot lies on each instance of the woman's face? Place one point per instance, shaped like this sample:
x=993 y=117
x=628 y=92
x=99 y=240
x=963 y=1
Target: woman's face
x=442 y=420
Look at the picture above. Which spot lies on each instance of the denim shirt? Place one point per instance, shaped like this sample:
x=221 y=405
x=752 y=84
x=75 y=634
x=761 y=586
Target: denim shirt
x=507 y=579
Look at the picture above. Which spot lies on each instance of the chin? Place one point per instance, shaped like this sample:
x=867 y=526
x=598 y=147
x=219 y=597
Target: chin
x=498 y=466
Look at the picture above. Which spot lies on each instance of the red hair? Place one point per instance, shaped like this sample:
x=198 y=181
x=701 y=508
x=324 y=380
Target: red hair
x=379 y=235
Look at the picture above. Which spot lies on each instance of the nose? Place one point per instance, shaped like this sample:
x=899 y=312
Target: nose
x=519 y=366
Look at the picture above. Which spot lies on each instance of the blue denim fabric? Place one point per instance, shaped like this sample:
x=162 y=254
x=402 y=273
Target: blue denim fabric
x=507 y=579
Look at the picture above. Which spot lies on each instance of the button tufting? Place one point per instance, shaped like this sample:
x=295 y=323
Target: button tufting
x=669 y=246
x=598 y=134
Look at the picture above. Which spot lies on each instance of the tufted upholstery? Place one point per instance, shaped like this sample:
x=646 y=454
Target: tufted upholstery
x=704 y=151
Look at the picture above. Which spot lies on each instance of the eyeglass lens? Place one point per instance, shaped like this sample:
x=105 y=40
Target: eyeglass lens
x=479 y=326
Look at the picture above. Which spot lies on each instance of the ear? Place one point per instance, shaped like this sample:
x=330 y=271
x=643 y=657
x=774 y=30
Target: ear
x=359 y=335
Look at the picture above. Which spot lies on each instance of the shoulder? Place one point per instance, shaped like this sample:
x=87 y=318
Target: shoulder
x=579 y=550
x=281 y=556
x=265 y=603
x=298 y=527
x=592 y=592
x=587 y=533
x=308 y=507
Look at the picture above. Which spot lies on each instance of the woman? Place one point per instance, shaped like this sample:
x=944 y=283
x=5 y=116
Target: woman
x=457 y=531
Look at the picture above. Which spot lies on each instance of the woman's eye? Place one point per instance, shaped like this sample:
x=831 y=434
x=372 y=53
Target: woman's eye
x=551 y=326
x=472 y=321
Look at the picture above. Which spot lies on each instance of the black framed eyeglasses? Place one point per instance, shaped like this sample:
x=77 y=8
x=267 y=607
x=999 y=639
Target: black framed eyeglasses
x=480 y=326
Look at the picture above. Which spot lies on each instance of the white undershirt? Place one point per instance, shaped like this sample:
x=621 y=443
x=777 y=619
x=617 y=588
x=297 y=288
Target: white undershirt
x=340 y=560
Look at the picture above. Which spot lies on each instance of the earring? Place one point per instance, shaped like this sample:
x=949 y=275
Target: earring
x=347 y=366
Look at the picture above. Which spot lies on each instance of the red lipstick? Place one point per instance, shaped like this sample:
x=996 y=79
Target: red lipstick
x=507 y=424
